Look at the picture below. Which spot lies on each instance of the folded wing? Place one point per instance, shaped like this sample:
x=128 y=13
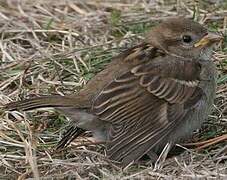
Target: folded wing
x=145 y=104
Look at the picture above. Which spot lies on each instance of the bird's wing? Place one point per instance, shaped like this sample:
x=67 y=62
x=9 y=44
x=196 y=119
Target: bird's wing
x=145 y=104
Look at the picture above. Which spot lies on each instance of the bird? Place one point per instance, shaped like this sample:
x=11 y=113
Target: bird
x=155 y=93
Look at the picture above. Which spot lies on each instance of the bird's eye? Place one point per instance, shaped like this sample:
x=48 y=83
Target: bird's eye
x=187 y=39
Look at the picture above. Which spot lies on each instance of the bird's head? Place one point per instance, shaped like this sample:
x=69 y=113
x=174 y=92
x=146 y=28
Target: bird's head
x=183 y=37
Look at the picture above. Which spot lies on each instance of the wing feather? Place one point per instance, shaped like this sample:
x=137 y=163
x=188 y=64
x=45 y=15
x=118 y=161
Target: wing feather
x=145 y=104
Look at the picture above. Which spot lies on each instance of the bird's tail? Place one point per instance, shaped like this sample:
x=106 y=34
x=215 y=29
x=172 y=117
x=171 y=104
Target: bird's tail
x=41 y=102
x=72 y=133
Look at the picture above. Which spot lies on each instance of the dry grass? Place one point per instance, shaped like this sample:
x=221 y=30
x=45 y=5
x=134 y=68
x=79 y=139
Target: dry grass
x=49 y=46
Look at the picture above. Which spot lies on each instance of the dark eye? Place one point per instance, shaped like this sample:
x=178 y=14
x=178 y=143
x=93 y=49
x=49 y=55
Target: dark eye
x=187 y=39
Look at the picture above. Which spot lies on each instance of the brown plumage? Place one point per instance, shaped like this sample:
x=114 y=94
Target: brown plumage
x=152 y=94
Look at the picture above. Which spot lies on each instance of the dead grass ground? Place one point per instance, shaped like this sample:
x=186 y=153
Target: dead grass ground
x=50 y=46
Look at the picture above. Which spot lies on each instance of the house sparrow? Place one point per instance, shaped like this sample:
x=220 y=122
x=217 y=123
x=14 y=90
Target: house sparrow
x=155 y=93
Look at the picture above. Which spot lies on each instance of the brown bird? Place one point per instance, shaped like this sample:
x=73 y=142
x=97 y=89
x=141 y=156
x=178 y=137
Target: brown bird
x=155 y=93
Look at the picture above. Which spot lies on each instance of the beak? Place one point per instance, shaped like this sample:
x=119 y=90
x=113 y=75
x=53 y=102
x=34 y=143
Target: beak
x=210 y=38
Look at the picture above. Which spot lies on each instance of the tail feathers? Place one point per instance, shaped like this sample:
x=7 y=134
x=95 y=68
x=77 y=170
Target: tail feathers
x=71 y=134
x=41 y=102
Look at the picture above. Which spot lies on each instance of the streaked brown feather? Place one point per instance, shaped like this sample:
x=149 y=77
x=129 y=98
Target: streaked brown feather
x=144 y=104
x=48 y=101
